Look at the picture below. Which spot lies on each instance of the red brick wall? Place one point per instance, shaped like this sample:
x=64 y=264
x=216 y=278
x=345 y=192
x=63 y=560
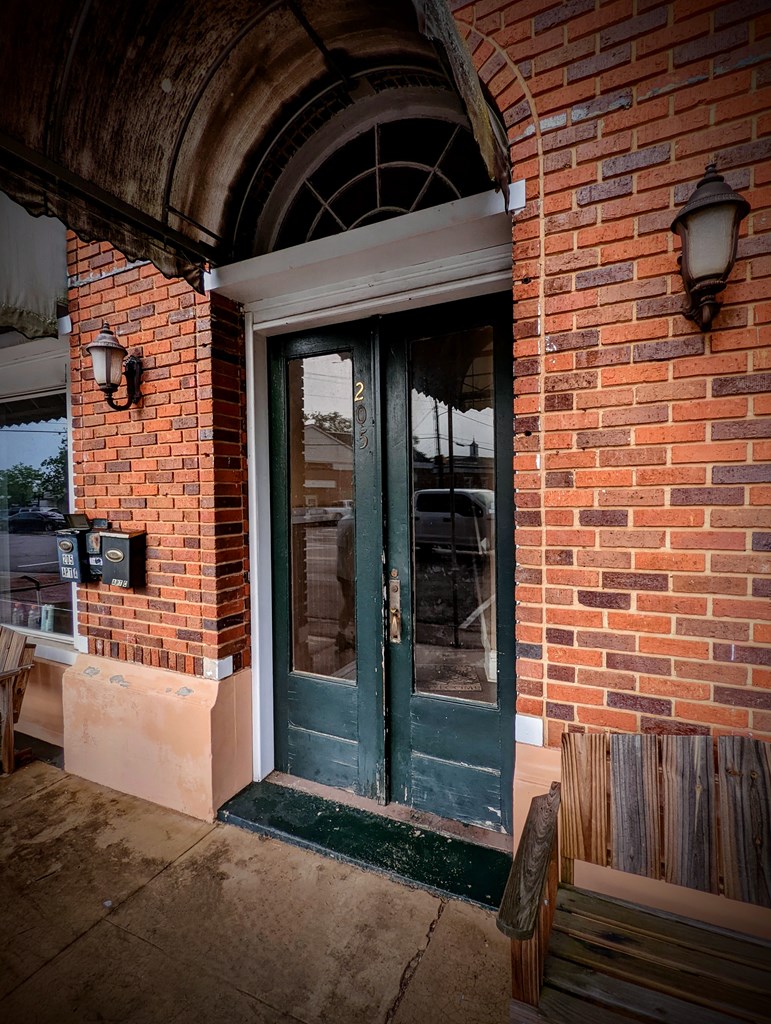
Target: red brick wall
x=173 y=465
x=643 y=446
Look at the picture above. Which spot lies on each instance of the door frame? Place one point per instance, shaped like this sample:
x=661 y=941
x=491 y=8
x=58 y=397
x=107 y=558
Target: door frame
x=454 y=251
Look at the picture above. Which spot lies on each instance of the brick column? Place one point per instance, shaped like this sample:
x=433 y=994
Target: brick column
x=173 y=465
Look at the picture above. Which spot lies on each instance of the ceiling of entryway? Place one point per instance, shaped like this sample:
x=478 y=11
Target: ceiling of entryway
x=145 y=123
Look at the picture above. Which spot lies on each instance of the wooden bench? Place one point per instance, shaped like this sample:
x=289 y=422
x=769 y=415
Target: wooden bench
x=666 y=807
x=16 y=657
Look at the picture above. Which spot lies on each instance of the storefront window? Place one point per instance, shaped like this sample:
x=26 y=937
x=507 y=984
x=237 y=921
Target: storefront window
x=34 y=496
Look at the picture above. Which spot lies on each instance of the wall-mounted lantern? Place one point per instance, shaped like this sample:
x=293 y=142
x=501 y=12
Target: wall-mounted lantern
x=708 y=226
x=107 y=356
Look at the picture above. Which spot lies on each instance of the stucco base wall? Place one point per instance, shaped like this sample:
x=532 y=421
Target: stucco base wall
x=180 y=741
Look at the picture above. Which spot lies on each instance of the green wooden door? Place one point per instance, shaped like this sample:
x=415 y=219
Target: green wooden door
x=393 y=559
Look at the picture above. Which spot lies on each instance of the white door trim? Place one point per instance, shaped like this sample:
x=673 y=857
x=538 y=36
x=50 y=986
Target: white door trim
x=450 y=252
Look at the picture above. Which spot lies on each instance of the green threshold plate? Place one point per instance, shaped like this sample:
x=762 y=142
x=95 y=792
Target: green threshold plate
x=414 y=855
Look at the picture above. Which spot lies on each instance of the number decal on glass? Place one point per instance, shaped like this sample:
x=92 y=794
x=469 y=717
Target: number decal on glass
x=360 y=415
x=361 y=419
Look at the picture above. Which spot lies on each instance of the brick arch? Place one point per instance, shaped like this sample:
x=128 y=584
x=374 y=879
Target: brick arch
x=505 y=79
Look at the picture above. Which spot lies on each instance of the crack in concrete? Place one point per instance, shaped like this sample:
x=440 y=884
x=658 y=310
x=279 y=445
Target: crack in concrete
x=409 y=971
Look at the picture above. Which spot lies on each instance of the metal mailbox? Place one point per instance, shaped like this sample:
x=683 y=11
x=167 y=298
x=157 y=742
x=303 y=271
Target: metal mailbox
x=72 y=554
x=123 y=558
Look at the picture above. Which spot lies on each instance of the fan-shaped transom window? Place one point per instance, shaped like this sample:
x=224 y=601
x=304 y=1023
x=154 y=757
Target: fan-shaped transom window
x=391 y=168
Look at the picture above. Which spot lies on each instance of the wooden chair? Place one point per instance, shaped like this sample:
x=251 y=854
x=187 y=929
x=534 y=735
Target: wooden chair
x=653 y=806
x=16 y=657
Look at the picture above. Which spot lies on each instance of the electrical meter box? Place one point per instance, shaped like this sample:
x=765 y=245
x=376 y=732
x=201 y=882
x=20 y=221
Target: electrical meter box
x=123 y=558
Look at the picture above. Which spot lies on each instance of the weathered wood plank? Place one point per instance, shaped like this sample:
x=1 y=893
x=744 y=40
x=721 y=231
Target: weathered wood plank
x=689 y=841
x=6 y=726
x=16 y=655
x=744 y=768
x=731 y=946
x=615 y=962
x=698 y=961
x=520 y=1013
x=635 y=844
x=524 y=890
x=20 y=686
x=560 y=1008
x=604 y=999
x=11 y=647
x=584 y=817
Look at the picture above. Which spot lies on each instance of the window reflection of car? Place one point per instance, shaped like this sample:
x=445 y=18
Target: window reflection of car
x=35 y=522
x=319 y=514
x=474 y=519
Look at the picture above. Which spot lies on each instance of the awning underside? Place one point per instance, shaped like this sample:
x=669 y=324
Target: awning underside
x=142 y=123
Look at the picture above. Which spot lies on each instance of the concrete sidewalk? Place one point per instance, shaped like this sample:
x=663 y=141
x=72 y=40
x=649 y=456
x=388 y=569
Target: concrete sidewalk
x=113 y=909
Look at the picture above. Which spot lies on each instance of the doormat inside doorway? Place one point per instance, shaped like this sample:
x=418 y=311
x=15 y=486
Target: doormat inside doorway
x=443 y=864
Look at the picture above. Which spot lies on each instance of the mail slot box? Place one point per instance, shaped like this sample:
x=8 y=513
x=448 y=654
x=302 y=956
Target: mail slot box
x=123 y=558
x=72 y=556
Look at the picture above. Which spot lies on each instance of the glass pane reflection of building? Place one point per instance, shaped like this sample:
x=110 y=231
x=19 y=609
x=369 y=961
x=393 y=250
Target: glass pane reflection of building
x=453 y=480
x=320 y=407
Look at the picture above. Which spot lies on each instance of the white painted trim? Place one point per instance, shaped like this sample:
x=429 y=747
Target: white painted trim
x=62 y=654
x=450 y=252
x=260 y=561
x=528 y=729
x=218 y=668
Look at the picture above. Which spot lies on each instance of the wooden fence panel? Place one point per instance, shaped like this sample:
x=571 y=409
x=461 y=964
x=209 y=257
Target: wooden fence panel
x=688 y=798
x=584 y=809
x=744 y=767
x=635 y=844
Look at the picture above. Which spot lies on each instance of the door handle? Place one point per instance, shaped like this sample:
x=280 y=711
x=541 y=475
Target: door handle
x=394 y=609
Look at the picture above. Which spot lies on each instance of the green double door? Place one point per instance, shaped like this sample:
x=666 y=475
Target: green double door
x=392 y=523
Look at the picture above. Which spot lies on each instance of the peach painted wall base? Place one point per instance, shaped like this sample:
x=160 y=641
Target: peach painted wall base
x=179 y=741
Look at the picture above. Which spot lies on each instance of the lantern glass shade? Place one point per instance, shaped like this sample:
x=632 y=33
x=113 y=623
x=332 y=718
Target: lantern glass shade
x=107 y=355
x=709 y=250
x=708 y=226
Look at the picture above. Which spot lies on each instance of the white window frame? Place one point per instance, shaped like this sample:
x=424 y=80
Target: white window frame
x=31 y=369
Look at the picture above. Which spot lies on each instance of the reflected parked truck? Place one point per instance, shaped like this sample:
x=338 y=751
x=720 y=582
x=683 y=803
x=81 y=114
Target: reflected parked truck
x=474 y=515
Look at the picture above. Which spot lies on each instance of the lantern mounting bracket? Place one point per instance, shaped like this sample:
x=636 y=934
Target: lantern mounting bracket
x=132 y=371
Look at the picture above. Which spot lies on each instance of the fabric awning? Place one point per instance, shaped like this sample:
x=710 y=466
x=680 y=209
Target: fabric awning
x=141 y=123
x=33 y=271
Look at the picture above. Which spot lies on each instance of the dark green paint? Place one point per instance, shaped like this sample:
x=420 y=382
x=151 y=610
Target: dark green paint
x=325 y=759
x=329 y=709
x=315 y=716
x=453 y=757
x=446 y=866
x=461 y=737
x=436 y=723
x=463 y=792
x=505 y=547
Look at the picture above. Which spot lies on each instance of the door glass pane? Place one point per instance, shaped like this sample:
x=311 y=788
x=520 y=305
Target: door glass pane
x=320 y=408
x=453 y=481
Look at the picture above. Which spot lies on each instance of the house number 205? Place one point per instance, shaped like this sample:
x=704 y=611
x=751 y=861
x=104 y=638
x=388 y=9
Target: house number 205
x=361 y=413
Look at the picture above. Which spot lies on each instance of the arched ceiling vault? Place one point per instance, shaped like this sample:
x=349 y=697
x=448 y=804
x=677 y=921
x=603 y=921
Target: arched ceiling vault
x=140 y=123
